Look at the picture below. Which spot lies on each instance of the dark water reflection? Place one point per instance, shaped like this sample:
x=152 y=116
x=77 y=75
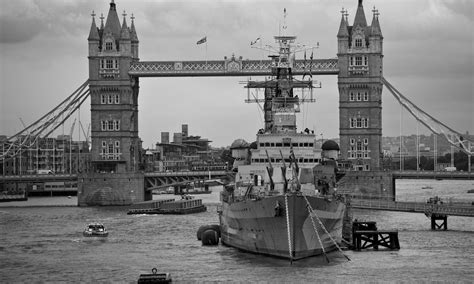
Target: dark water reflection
x=45 y=244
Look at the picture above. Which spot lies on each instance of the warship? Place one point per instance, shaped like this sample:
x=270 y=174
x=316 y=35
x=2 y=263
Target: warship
x=283 y=201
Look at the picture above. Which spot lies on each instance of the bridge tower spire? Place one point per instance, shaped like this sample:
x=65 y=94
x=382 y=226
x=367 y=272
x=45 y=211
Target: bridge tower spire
x=115 y=143
x=360 y=57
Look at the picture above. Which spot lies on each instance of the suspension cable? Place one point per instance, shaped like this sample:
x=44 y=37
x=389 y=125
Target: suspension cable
x=47 y=123
x=453 y=137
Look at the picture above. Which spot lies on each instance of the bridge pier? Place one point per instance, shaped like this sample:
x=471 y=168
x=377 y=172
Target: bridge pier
x=442 y=225
x=97 y=189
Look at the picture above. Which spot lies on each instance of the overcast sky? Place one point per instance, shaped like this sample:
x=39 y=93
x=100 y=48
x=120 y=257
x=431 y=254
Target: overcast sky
x=428 y=56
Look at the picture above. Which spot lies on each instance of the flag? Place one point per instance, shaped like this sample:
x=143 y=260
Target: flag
x=202 y=40
x=255 y=41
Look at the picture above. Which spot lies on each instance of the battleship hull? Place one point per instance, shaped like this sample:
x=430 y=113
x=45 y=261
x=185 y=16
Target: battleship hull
x=262 y=226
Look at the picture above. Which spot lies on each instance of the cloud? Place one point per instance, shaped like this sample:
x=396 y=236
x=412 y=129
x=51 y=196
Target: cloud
x=461 y=7
x=15 y=30
x=23 y=20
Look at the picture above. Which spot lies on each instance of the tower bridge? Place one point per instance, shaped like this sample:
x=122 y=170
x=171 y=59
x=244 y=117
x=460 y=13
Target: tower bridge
x=115 y=69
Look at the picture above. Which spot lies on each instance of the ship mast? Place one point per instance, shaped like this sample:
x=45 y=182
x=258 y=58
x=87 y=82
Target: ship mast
x=282 y=94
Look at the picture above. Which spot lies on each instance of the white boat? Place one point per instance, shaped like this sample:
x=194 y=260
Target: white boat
x=95 y=230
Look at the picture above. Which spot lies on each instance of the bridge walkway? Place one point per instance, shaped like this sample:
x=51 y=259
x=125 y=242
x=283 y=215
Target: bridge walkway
x=451 y=208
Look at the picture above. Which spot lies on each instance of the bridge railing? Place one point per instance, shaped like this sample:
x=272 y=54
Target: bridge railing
x=428 y=206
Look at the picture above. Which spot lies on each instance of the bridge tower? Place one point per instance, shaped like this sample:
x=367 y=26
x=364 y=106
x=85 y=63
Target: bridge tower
x=116 y=146
x=114 y=94
x=360 y=57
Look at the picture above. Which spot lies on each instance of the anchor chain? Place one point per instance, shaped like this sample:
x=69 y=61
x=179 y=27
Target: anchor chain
x=324 y=228
x=288 y=227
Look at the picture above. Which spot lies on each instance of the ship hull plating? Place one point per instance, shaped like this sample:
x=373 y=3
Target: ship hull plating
x=261 y=226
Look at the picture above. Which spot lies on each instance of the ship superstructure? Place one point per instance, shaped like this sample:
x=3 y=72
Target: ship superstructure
x=281 y=202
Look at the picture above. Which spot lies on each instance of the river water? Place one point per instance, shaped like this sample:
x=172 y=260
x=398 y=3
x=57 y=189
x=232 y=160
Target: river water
x=42 y=242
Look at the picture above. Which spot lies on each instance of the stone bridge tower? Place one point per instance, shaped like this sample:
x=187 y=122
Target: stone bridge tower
x=114 y=95
x=116 y=148
x=360 y=57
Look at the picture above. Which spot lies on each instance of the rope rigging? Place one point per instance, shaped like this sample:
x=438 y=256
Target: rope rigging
x=454 y=138
x=47 y=124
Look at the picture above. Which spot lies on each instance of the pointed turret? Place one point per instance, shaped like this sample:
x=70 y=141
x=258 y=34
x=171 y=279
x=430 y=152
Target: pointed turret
x=113 y=23
x=133 y=32
x=94 y=33
x=101 y=21
x=124 y=33
x=375 y=27
x=360 y=16
x=343 y=32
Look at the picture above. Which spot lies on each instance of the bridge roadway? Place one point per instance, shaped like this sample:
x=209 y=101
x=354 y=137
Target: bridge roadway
x=431 y=175
x=152 y=179
x=452 y=209
x=157 y=178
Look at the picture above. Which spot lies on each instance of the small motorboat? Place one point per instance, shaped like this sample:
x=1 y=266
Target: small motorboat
x=95 y=230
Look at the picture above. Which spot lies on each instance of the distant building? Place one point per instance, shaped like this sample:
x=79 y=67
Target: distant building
x=59 y=155
x=185 y=152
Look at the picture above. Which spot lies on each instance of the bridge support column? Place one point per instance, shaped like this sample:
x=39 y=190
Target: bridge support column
x=439 y=222
x=96 y=189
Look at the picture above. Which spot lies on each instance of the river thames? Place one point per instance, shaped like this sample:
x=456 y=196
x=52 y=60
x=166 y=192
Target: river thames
x=42 y=242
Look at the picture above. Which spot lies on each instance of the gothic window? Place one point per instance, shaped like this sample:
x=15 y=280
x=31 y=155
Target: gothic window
x=351 y=61
x=117 y=99
x=359 y=122
x=110 y=99
x=358 y=60
x=365 y=61
x=102 y=64
x=358 y=42
x=110 y=125
x=366 y=123
x=351 y=97
x=359 y=149
x=116 y=64
x=352 y=152
x=111 y=148
x=103 y=99
x=359 y=96
x=109 y=63
x=352 y=141
x=117 y=125
x=366 y=96
x=103 y=125
x=366 y=151
x=108 y=45
x=104 y=144
x=352 y=122
x=366 y=141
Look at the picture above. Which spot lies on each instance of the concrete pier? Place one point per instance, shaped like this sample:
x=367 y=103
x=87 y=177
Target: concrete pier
x=95 y=189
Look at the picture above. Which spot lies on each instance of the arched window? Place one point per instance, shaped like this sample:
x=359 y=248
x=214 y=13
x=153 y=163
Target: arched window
x=358 y=42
